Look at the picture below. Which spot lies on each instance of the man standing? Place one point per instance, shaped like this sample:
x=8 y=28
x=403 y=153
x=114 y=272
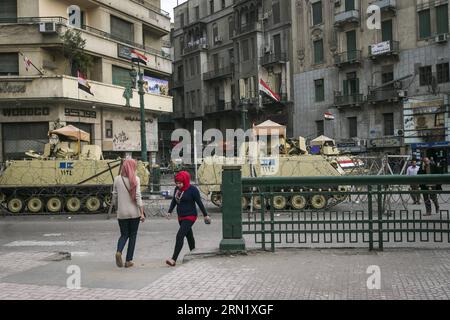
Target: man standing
x=427 y=168
x=412 y=170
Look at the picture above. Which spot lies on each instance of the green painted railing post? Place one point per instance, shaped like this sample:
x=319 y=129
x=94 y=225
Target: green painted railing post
x=232 y=240
x=380 y=220
x=370 y=209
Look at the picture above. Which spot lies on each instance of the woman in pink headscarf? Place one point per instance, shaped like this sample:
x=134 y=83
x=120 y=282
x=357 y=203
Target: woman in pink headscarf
x=130 y=211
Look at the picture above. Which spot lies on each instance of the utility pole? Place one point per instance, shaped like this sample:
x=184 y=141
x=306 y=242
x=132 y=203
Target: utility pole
x=141 y=92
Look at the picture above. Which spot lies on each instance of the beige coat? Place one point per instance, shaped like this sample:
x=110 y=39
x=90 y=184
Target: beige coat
x=126 y=208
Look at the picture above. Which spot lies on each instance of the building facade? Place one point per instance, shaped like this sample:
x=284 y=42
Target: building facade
x=369 y=79
x=34 y=99
x=222 y=50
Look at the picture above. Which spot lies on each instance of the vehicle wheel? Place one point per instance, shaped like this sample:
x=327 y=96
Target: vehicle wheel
x=339 y=197
x=298 y=202
x=279 y=202
x=93 y=204
x=15 y=205
x=318 y=201
x=54 y=204
x=35 y=205
x=107 y=199
x=73 y=204
x=216 y=199
x=257 y=203
x=244 y=203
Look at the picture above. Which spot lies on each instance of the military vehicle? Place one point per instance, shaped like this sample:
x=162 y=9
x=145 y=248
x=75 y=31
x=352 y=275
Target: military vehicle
x=70 y=176
x=294 y=160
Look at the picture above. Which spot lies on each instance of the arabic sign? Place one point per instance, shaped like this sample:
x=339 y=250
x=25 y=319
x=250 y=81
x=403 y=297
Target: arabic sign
x=385 y=142
x=380 y=48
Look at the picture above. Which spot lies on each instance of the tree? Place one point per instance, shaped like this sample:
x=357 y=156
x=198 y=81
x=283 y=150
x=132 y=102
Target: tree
x=73 y=50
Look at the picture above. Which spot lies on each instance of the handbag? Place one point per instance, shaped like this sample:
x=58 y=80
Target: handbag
x=129 y=192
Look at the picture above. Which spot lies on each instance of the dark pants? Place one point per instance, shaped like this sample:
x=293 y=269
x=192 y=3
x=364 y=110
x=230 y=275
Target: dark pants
x=184 y=231
x=415 y=196
x=128 y=231
x=427 y=198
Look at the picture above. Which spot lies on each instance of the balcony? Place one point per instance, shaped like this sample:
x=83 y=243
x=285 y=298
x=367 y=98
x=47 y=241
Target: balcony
x=352 y=100
x=347 y=58
x=384 y=49
x=249 y=27
x=273 y=58
x=375 y=96
x=283 y=99
x=218 y=74
x=178 y=83
x=386 y=5
x=191 y=47
x=253 y=101
x=65 y=88
x=342 y=18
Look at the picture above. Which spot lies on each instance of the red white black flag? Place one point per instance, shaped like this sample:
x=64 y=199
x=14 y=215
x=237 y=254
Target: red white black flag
x=83 y=84
x=137 y=57
x=266 y=89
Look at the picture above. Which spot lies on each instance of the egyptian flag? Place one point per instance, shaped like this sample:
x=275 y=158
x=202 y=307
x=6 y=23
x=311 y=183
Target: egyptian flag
x=137 y=57
x=27 y=62
x=328 y=116
x=83 y=84
x=265 y=88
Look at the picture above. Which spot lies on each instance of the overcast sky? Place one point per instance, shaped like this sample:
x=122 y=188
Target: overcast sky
x=168 y=5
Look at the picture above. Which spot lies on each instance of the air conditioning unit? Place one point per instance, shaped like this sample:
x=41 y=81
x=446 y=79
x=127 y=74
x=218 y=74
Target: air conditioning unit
x=47 y=27
x=399 y=133
x=402 y=93
x=218 y=39
x=442 y=38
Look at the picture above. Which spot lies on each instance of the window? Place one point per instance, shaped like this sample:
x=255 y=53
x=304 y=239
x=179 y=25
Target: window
x=188 y=101
x=425 y=75
x=351 y=44
x=276 y=13
x=349 y=5
x=230 y=27
x=442 y=19
x=199 y=97
x=317 y=12
x=182 y=20
x=424 y=24
x=351 y=84
x=8 y=10
x=211 y=6
x=122 y=30
x=352 y=127
x=197 y=59
x=216 y=61
x=215 y=33
x=197 y=13
x=443 y=73
x=223 y=4
x=121 y=76
x=320 y=90
x=192 y=66
x=108 y=129
x=9 y=64
x=193 y=101
x=245 y=51
x=320 y=128
x=388 y=119
x=386 y=30
x=277 y=45
x=387 y=77
x=318 y=51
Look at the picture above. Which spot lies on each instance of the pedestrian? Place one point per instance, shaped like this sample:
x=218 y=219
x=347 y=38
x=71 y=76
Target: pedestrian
x=412 y=170
x=130 y=211
x=185 y=199
x=427 y=168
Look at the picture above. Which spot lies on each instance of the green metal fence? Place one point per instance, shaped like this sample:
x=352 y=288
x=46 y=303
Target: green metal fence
x=372 y=211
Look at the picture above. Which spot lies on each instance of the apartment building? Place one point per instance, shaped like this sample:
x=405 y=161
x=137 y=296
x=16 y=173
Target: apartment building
x=386 y=88
x=34 y=99
x=223 y=49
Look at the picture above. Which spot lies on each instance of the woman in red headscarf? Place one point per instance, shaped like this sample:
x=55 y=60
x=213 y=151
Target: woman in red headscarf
x=185 y=199
x=130 y=211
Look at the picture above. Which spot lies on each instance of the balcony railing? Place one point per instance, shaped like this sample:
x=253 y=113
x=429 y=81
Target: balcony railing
x=348 y=57
x=219 y=73
x=148 y=5
x=382 y=95
x=348 y=100
x=64 y=21
x=342 y=18
x=382 y=49
x=283 y=99
x=178 y=83
x=196 y=45
x=273 y=58
x=386 y=4
x=249 y=27
x=219 y=106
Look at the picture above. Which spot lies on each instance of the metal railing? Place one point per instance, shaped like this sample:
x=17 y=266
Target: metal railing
x=347 y=57
x=218 y=73
x=394 y=48
x=249 y=27
x=148 y=5
x=64 y=21
x=343 y=17
x=347 y=100
x=382 y=95
x=371 y=211
x=273 y=58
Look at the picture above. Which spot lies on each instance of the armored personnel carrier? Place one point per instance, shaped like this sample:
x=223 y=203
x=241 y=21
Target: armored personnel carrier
x=71 y=176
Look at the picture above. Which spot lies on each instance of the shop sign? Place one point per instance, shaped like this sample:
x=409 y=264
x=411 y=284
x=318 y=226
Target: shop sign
x=14 y=112
x=7 y=87
x=442 y=144
x=124 y=52
x=138 y=119
x=68 y=112
x=385 y=142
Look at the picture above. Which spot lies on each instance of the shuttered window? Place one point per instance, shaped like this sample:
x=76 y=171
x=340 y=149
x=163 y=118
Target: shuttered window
x=121 y=76
x=351 y=44
x=349 y=5
x=318 y=51
x=386 y=30
x=443 y=72
x=276 y=13
x=9 y=64
x=320 y=90
x=442 y=19
x=388 y=124
x=353 y=127
x=317 y=13
x=424 y=24
x=8 y=10
x=122 y=30
x=425 y=75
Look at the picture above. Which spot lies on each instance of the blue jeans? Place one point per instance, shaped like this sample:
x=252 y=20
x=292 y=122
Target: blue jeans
x=128 y=231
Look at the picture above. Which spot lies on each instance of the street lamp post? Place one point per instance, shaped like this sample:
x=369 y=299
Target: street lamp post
x=142 y=107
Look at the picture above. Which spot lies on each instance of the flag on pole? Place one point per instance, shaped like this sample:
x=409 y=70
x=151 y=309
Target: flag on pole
x=27 y=62
x=328 y=116
x=266 y=89
x=83 y=84
x=137 y=57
